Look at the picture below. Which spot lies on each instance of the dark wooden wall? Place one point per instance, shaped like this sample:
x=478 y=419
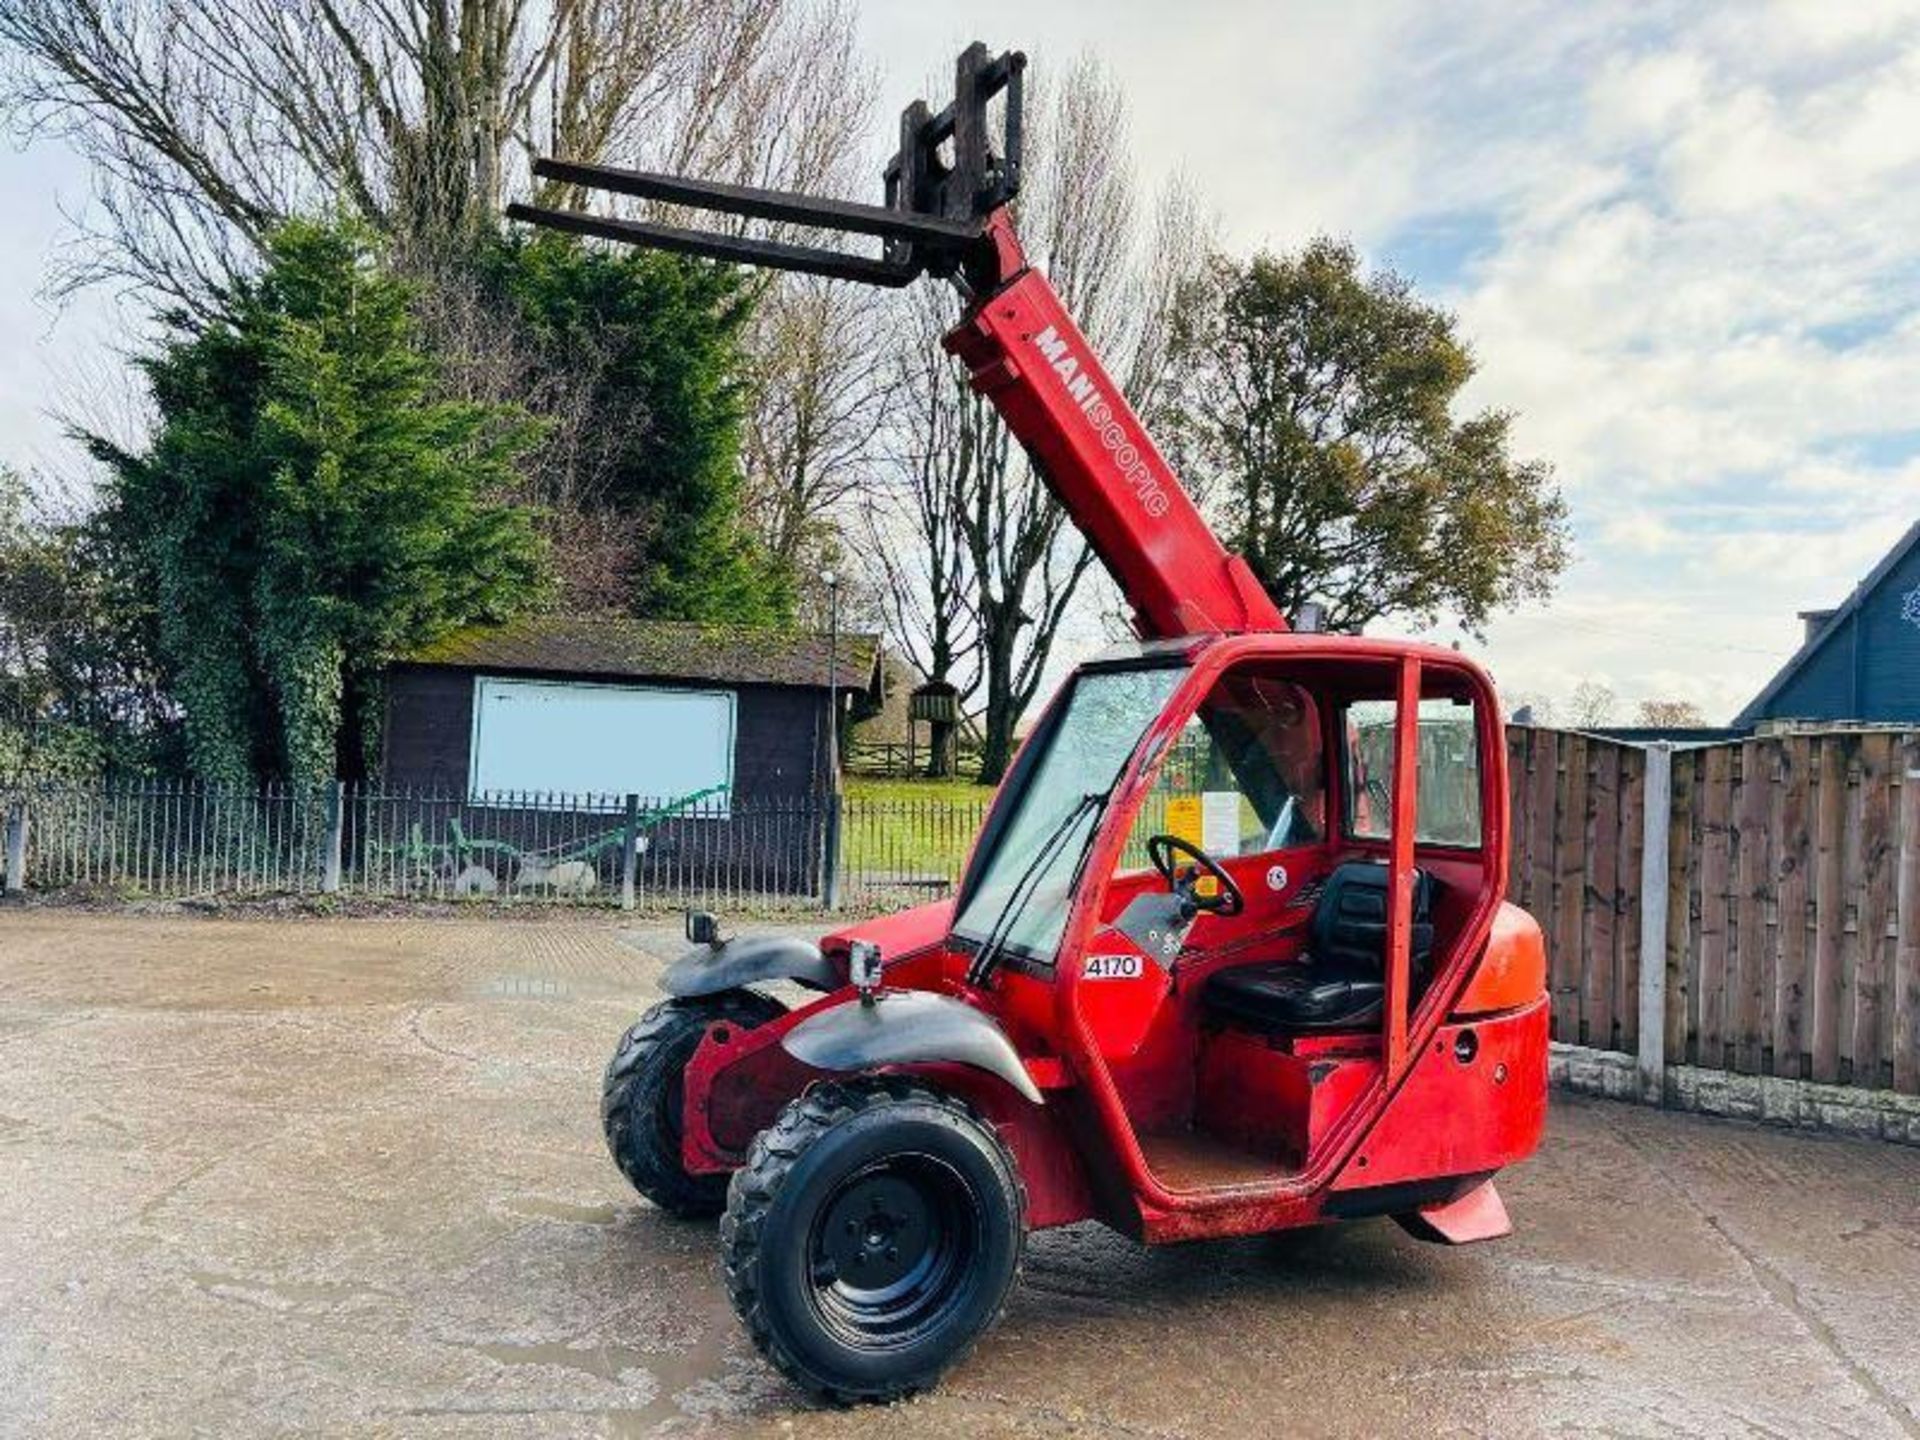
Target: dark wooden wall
x=1868 y=669
x=779 y=737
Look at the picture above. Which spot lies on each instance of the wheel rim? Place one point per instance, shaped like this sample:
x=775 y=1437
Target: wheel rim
x=891 y=1251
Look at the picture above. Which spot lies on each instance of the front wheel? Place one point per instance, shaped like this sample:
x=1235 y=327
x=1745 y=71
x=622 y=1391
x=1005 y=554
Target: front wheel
x=642 y=1097
x=872 y=1236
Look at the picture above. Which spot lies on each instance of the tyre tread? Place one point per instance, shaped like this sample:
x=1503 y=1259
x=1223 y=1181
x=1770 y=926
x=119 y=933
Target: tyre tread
x=756 y=1185
x=630 y=1089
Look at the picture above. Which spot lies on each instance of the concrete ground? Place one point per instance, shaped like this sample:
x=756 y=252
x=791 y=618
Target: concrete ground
x=347 y=1177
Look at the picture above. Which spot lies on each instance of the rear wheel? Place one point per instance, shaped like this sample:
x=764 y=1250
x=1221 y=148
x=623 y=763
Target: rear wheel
x=642 y=1097
x=872 y=1237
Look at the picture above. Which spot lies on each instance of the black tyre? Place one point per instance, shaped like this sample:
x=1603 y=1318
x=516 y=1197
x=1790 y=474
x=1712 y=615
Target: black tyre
x=641 y=1097
x=872 y=1237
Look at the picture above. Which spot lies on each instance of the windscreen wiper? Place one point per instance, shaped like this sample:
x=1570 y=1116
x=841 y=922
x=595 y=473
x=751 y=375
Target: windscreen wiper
x=1026 y=883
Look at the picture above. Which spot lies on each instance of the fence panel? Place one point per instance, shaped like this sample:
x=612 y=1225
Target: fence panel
x=905 y=852
x=1843 y=948
x=165 y=839
x=901 y=760
x=1576 y=802
x=1792 y=896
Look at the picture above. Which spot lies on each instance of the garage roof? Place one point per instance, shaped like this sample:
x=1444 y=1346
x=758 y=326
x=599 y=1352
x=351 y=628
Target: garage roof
x=617 y=645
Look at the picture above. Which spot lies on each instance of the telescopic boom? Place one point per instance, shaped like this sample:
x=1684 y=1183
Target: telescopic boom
x=1023 y=351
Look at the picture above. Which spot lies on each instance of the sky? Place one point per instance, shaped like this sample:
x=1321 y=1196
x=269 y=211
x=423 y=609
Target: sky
x=1682 y=239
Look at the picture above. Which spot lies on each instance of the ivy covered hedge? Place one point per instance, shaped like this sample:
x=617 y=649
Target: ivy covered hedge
x=308 y=507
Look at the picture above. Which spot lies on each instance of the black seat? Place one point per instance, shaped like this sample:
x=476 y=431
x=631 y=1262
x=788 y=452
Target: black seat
x=1340 y=983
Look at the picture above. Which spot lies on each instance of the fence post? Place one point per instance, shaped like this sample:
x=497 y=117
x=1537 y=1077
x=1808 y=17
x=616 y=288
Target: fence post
x=630 y=853
x=1657 y=822
x=336 y=831
x=830 y=861
x=17 y=847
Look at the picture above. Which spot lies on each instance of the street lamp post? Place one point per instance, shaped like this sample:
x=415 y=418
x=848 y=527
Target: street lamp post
x=833 y=681
x=830 y=879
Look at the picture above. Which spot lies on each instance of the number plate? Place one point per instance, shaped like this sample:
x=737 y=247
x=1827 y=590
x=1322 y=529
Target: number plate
x=1113 y=967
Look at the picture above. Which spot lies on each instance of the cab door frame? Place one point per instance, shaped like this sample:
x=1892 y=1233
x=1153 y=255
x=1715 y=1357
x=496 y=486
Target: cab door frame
x=1268 y=1204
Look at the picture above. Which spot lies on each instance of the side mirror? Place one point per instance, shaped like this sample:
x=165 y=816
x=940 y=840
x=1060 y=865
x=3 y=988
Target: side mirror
x=703 y=928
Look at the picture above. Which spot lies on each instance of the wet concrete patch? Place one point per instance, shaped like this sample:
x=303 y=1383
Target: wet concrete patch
x=347 y=1178
x=565 y=1212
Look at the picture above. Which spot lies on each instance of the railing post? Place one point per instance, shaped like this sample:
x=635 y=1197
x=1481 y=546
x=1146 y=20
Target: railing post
x=17 y=847
x=1657 y=820
x=335 y=838
x=630 y=853
x=830 y=860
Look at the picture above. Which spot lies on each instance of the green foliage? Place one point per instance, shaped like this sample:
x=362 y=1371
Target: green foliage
x=652 y=342
x=77 y=690
x=1321 y=401
x=308 y=509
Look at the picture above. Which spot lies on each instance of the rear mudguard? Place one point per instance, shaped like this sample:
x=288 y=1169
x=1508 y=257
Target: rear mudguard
x=908 y=1027
x=710 y=969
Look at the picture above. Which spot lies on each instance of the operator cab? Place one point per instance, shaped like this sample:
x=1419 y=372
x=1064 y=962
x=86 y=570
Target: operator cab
x=1280 y=1007
x=1201 y=844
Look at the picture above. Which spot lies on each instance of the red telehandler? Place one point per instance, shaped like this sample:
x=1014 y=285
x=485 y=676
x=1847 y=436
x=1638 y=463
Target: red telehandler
x=1229 y=955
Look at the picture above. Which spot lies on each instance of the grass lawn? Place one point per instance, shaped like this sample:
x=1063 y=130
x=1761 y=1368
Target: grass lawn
x=952 y=792
x=917 y=828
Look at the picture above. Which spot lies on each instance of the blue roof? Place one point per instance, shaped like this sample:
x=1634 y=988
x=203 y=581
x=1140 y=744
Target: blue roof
x=1836 y=624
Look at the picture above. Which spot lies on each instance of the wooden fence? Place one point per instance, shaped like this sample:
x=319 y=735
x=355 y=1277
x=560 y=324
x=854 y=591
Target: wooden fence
x=906 y=760
x=1789 y=902
x=1575 y=864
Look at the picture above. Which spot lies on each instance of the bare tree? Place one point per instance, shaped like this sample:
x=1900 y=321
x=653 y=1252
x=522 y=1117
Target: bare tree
x=1670 y=715
x=1016 y=564
x=821 y=387
x=914 y=531
x=1593 y=703
x=206 y=123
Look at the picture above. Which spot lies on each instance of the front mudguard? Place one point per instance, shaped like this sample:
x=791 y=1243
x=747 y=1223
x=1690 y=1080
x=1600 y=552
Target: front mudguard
x=908 y=1027
x=749 y=960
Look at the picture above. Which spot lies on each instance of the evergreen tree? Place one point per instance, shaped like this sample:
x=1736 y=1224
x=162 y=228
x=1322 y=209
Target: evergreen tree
x=652 y=343
x=1321 y=399
x=308 y=509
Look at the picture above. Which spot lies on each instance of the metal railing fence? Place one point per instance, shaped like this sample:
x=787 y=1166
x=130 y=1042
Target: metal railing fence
x=176 y=841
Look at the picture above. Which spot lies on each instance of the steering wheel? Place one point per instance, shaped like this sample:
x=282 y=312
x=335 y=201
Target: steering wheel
x=1161 y=850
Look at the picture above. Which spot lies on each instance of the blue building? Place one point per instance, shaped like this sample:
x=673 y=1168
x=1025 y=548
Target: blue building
x=1859 y=663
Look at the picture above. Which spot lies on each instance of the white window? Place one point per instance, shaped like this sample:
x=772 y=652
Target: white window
x=547 y=736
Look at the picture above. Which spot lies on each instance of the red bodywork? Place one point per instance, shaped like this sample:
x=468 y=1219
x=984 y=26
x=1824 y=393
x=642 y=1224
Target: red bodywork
x=1151 y=1114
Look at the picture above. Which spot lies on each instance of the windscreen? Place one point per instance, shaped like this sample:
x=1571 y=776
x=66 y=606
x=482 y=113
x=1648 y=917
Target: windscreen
x=1024 y=886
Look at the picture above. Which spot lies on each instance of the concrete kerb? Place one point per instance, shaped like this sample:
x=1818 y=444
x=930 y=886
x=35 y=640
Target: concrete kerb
x=1790 y=1104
